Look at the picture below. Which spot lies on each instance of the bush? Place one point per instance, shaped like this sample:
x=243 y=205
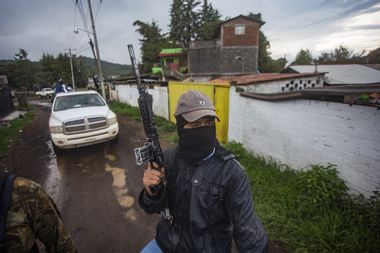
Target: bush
x=321 y=186
x=311 y=211
x=166 y=129
x=9 y=132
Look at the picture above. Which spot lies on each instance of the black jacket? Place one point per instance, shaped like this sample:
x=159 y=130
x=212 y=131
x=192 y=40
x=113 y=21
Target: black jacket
x=210 y=203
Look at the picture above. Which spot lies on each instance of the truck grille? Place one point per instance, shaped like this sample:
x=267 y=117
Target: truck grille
x=85 y=125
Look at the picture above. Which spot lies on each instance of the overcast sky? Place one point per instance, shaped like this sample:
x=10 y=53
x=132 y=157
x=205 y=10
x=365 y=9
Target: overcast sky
x=318 y=25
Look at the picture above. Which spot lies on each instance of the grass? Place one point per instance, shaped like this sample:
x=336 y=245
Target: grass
x=308 y=211
x=311 y=211
x=166 y=129
x=9 y=132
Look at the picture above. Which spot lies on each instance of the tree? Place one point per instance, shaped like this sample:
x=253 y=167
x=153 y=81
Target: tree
x=63 y=67
x=303 y=57
x=281 y=63
x=49 y=69
x=325 y=58
x=22 y=71
x=184 y=21
x=209 y=22
x=152 y=41
x=22 y=55
x=265 y=62
x=342 y=55
x=374 y=56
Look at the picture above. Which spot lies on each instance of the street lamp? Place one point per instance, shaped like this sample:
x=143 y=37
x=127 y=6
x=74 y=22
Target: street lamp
x=77 y=29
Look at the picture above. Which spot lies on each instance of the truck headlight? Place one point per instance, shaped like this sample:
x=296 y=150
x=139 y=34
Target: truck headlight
x=112 y=121
x=56 y=129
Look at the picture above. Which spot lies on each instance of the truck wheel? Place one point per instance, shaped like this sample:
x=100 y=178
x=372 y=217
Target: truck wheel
x=57 y=151
x=115 y=140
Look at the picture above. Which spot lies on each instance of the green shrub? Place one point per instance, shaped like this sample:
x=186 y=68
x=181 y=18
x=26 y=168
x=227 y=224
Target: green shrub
x=321 y=186
x=166 y=129
x=310 y=210
x=126 y=109
x=8 y=132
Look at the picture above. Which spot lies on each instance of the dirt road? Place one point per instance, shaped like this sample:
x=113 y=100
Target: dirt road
x=95 y=188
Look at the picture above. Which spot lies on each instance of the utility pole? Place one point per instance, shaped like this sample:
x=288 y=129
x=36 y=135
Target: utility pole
x=97 y=51
x=93 y=52
x=72 y=72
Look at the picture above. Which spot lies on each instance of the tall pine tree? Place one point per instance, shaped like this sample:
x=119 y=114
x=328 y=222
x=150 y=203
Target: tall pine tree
x=152 y=41
x=184 y=21
x=209 y=22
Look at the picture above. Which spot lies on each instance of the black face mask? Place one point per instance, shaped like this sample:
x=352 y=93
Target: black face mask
x=195 y=144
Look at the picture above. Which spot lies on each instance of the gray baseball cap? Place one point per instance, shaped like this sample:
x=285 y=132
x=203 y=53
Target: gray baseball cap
x=193 y=105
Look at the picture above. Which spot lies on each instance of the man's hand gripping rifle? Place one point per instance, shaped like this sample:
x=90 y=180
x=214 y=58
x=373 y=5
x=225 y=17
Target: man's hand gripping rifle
x=151 y=151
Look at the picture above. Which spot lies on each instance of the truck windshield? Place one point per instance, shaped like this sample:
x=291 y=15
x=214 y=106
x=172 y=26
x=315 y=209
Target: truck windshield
x=76 y=101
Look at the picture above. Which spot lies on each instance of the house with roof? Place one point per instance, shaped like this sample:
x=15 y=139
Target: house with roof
x=173 y=59
x=235 y=52
x=342 y=74
x=274 y=82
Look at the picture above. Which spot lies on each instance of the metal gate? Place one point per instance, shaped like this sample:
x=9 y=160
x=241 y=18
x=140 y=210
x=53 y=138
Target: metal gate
x=218 y=94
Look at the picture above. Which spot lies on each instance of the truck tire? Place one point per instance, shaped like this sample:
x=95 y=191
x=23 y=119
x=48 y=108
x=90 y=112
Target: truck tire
x=115 y=140
x=57 y=151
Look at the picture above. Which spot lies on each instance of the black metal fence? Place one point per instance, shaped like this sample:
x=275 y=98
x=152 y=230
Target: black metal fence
x=6 y=101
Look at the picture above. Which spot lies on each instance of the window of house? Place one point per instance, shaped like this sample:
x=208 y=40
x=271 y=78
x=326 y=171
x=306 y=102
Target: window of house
x=304 y=85
x=282 y=88
x=296 y=85
x=292 y=81
x=287 y=85
x=309 y=81
x=239 y=30
x=313 y=85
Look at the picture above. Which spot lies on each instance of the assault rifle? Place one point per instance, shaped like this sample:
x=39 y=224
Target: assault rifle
x=151 y=151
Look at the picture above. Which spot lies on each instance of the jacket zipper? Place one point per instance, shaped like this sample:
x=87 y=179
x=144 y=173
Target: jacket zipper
x=208 y=242
x=188 y=206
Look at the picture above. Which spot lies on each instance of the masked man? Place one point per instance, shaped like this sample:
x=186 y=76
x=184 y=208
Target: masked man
x=205 y=199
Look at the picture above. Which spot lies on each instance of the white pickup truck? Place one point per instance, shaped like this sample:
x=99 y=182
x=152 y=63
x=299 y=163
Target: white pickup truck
x=80 y=119
x=45 y=93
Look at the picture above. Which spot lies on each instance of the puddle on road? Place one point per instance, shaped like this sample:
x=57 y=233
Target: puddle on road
x=53 y=182
x=131 y=214
x=110 y=157
x=43 y=104
x=119 y=185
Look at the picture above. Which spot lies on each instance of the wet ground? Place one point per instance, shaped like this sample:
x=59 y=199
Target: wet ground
x=95 y=188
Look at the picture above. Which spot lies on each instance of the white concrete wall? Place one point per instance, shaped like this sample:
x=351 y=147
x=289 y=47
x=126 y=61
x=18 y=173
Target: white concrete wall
x=129 y=94
x=302 y=132
x=295 y=83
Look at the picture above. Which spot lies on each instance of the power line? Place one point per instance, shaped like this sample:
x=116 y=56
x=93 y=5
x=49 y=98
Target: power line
x=81 y=51
x=97 y=12
x=83 y=15
x=75 y=20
